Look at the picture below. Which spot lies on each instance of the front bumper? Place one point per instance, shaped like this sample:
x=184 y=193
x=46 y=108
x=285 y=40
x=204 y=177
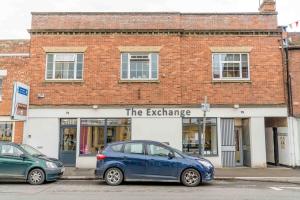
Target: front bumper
x=208 y=175
x=54 y=174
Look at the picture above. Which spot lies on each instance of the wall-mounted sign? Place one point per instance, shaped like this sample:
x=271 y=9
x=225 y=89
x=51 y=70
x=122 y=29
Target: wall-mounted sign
x=158 y=112
x=20 y=102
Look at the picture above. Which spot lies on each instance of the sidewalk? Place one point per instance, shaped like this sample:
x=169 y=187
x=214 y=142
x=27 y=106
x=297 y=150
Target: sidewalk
x=278 y=174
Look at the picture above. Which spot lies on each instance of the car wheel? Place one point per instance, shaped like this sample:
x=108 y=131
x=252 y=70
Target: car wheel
x=191 y=177
x=36 y=177
x=113 y=176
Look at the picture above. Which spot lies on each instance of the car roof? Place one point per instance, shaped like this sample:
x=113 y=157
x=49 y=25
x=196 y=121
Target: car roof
x=135 y=141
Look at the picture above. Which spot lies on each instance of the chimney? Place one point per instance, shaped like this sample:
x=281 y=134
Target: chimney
x=267 y=6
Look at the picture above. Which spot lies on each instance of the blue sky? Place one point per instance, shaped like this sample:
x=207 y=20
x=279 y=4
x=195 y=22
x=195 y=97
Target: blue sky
x=15 y=15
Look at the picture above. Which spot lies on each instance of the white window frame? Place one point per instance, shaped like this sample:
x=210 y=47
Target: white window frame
x=150 y=67
x=54 y=66
x=221 y=70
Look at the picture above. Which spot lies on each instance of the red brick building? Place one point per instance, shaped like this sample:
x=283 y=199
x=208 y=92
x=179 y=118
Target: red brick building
x=101 y=77
x=14 y=57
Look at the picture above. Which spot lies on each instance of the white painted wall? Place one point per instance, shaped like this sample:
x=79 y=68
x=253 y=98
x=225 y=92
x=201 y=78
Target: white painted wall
x=158 y=129
x=258 y=144
x=43 y=134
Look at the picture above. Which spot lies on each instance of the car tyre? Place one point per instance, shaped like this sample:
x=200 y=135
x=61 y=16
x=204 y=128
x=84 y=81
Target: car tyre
x=113 y=176
x=191 y=177
x=36 y=177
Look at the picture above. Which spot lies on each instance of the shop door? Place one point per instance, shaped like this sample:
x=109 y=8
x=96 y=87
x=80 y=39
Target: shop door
x=68 y=140
x=246 y=143
x=228 y=143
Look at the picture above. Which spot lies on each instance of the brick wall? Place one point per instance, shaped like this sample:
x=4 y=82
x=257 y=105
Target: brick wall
x=185 y=72
x=294 y=67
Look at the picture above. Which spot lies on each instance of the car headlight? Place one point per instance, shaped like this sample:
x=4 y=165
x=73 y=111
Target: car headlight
x=51 y=165
x=205 y=163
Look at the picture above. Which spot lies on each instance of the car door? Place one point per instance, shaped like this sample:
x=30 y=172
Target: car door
x=134 y=160
x=158 y=163
x=12 y=165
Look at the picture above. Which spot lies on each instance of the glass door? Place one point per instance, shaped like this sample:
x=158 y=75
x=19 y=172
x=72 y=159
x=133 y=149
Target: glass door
x=68 y=140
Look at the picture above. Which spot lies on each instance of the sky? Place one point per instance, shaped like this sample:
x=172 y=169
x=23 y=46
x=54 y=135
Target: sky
x=15 y=17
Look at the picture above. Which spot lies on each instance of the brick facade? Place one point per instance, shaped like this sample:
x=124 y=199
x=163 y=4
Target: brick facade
x=185 y=65
x=13 y=59
x=294 y=71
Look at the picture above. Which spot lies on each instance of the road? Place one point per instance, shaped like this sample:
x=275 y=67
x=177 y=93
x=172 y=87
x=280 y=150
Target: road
x=90 y=190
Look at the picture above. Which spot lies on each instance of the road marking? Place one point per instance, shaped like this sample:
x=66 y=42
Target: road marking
x=293 y=188
x=276 y=188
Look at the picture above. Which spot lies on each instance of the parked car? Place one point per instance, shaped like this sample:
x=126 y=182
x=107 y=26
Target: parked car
x=150 y=161
x=23 y=162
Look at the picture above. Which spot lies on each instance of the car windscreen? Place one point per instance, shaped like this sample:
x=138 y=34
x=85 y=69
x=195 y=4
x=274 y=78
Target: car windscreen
x=30 y=150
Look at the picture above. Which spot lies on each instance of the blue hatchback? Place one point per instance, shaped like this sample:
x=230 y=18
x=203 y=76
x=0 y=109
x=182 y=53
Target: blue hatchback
x=150 y=161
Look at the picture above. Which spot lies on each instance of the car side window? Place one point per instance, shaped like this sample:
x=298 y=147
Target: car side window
x=134 y=148
x=10 y=150
x=156 y=150
x=117 y=147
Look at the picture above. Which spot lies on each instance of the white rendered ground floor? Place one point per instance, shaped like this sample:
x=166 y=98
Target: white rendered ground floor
x=233 y=137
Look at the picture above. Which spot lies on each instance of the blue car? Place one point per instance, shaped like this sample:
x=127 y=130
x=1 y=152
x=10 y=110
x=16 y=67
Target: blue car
x=150 y=161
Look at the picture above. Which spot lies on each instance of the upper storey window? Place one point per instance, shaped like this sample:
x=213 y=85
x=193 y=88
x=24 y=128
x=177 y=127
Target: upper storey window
x=64 y=66
x=231 y=66
x=139 y=66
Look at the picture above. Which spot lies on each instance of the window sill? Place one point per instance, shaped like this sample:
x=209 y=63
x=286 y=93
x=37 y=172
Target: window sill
x=139 y=81
x=63 y=81
x=231 y=81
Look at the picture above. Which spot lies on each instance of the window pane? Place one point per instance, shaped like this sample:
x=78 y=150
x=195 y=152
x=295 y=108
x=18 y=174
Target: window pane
x=6 y=131
x=118 y=130
x=139 y=66
x=154 y=65
x=79 y=71
x=91 y=136
x=49 y=69
x=245 y=57
x=117 y=148
x=9 y=150
x=124 y=65
x=216 y=65
x=155 y=150
x=65 y=57
x=80 y=58
x=192 y=127
x=134 y=148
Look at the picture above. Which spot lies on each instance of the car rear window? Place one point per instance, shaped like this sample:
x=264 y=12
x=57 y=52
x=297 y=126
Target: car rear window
x=117 y=147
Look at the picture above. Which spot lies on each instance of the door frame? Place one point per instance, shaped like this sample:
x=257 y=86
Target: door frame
x=61 y=127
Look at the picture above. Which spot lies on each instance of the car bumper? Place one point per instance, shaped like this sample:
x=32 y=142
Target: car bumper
x=208 y=176
x=99 y=173
x=54 y=174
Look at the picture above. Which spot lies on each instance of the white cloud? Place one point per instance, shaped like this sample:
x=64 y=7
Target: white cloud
x=15 y=15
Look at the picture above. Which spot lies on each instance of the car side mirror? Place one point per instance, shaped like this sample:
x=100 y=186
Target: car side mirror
x=23 y=156
x=171 y=155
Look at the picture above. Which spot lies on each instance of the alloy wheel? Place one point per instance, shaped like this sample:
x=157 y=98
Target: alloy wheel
x=113 y=176
x=191 y=177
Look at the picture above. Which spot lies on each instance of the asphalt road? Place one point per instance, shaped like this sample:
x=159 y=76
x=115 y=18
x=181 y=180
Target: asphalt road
x=89 y=190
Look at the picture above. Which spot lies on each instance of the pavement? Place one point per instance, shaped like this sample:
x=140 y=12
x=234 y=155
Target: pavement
x=95 y=190
x=272 y=174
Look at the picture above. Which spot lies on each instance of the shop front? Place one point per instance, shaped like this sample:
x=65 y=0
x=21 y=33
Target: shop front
x=233 y=137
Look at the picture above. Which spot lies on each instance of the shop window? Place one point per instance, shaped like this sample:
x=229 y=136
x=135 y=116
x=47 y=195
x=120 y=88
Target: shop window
x=96 y=133
x=139 y=66
x=192 y=130
x=64 y=66
x=6 y=131
x=230 y=66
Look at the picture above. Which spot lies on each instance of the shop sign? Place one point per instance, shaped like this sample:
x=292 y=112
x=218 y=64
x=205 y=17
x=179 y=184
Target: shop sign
x=20 y=101
x=157 y=112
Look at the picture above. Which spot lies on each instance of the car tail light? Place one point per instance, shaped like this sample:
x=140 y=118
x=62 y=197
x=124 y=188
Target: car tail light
x=100 y=157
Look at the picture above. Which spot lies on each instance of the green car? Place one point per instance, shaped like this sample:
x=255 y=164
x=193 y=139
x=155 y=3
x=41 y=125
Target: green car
x=23 y=162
